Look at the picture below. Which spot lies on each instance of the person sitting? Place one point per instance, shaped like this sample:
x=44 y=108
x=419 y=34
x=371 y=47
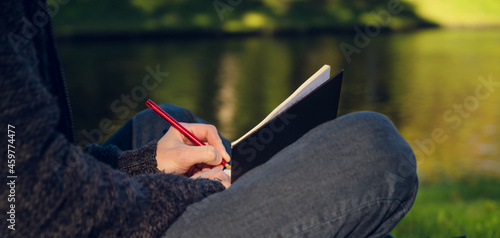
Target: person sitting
x=354 y=176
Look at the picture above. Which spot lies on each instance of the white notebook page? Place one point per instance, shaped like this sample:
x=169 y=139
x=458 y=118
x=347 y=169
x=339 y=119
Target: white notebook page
x=316 y=80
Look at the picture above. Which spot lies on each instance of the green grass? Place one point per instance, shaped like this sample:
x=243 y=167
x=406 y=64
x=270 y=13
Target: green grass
x=450 y=209
x=160 y=16
x=453 y=13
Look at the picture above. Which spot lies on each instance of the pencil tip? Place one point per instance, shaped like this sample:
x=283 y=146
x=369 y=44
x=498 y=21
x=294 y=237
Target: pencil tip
x=227 y=166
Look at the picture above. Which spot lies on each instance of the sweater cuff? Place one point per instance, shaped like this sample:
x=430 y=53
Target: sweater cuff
x=208 y=187
x=132 y=162
x=140 y=161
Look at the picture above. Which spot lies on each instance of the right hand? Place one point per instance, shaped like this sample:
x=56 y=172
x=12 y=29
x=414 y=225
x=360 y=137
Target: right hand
x=175 y=153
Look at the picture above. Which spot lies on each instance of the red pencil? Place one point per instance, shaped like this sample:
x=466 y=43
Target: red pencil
x=179 y=127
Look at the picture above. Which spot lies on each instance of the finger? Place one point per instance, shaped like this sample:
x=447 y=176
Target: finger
x=216 y=175
x=214 y=140
x=226 y=184
x=201 y=168
x=209 y=134
x=202 y=155
x=220 y=166
x=206 y=167
x=222 y=177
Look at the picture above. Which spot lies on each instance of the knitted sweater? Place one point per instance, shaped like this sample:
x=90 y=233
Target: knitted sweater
x=60 y=190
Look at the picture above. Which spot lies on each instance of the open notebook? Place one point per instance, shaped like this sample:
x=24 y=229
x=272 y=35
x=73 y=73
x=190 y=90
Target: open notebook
x=313 y=103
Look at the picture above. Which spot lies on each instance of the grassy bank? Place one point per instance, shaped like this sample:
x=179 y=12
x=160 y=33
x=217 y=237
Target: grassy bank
x=112 y=17
x=460 y=14
x=79 y=17
x=451 y=209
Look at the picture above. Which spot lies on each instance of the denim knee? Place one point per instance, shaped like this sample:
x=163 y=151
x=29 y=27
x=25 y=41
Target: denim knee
x=395 y=160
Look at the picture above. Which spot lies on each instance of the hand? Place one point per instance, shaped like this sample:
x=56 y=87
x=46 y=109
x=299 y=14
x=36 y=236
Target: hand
x=175 y=153
x=215 y=174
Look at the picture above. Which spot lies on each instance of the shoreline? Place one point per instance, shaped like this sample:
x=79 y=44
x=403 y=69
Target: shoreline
x=209 y=34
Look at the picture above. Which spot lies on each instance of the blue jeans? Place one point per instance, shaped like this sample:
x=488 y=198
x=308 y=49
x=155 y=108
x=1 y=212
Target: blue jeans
x=354 y=176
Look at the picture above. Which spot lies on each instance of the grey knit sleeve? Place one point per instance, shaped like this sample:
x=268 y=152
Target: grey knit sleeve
x=77 y=195
x=65 y=192
x=132 y=162
x=61 y=191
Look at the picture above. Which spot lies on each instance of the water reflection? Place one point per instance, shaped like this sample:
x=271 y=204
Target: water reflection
x=417 y=79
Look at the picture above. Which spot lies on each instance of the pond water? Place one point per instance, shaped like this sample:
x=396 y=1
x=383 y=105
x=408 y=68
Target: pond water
x=441 y=88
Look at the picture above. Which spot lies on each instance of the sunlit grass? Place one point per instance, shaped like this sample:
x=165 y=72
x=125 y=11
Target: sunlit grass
x=450 y=209
x=452 y=13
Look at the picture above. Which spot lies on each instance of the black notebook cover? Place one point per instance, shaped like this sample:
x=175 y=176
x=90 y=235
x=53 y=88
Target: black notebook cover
x=318 y=107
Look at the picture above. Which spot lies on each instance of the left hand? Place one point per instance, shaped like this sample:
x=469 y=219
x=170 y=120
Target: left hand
x=215 y=174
